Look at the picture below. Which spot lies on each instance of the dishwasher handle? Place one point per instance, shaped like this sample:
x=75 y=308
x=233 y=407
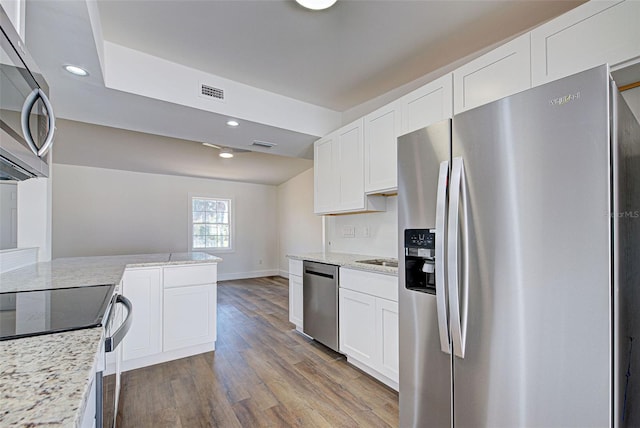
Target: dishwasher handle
x=316 y=273
x=112 y=342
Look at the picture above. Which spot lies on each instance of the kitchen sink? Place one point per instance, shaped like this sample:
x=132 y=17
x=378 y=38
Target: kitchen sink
x=379 y=262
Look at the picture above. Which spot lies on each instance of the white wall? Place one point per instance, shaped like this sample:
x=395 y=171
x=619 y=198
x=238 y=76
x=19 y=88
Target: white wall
x=632 y=97
x=109 y=212
x=299 y=229
x=34 y=215
x=383 y=239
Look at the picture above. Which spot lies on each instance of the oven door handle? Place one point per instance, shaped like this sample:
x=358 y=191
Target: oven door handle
x=112 y=342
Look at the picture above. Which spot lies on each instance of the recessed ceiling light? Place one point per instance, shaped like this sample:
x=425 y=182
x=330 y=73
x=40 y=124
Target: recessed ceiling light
x=78 y=71
x=233 y=123
x=316 y=4
x=225 y=153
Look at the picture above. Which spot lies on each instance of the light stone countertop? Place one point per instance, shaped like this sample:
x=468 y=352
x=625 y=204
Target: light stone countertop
x=45 y=380
x=348 y=260
x=82 y=271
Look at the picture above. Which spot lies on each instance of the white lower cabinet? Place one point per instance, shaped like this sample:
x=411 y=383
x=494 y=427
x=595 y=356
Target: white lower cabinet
x=174 y=313
x=189 y=316
x=143 y=287
x=357 y=316
x=368 y=310
x=88 y=419
x=388 y=345
x=295 y=293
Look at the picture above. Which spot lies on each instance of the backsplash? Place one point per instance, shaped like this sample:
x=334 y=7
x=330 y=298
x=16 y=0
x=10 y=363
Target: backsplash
x=369 y=234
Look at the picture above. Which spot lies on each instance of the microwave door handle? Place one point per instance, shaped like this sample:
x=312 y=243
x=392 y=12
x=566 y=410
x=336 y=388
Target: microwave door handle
x=51 y=129
x=26 y=112
x=458 y=308
x=441 y=297
x=112 y=342
x=31 y=100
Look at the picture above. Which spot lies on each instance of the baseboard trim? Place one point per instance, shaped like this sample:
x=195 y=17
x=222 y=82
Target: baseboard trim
x=163 y=357
x=245 y=275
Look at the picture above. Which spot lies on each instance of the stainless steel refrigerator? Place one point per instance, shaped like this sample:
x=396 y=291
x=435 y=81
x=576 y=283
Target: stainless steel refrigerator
x=519 y=227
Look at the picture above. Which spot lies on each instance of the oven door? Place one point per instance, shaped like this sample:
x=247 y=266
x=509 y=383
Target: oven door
x=108 y=387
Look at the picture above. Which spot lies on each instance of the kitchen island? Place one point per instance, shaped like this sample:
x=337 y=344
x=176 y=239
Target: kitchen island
x=47 y=380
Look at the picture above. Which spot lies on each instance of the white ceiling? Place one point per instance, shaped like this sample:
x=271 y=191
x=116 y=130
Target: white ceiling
x=103 y=147
x=335 y=59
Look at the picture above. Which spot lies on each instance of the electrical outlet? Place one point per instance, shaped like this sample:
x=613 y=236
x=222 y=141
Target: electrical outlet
x=348 y=232
x=260 y=261
x=366 y=232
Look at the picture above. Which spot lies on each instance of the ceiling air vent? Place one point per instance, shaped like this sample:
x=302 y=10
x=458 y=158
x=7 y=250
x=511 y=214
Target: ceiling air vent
x=263 y=144
x=211 y=92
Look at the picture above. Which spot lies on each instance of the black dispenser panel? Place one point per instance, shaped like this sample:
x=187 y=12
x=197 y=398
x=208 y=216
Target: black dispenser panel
x=419 y=254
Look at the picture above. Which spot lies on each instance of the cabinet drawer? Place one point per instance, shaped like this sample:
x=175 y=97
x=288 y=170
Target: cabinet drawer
x=375 y=284
x=178 y=276
x=295 y=267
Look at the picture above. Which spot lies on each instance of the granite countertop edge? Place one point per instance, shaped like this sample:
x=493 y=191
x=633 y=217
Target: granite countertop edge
x=348 y=260
x=28 y=375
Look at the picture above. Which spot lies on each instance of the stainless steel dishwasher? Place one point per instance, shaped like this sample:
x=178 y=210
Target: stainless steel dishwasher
x=320 y=302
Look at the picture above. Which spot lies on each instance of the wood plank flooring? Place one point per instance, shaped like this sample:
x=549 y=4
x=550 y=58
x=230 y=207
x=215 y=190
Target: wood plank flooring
x=262 y=374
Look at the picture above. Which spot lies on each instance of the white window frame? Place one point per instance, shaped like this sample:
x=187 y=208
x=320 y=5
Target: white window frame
x=232 y=229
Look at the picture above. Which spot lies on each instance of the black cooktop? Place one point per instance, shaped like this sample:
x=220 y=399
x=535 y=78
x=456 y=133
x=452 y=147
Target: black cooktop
x=31 y=313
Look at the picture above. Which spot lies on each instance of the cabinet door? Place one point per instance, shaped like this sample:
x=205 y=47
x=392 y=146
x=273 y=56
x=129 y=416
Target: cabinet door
x=387 y=330
x=295 y=267
x=381 y=130
x=497 y=74
x=144 y=288
x=325 y=171
x=357 y=326
x=429 y=104
x=295 y=300
x=189 y=316
x=592 y=34
x=351 y=167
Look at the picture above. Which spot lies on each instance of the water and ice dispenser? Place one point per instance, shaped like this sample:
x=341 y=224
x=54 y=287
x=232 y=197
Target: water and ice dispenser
x=419 y=260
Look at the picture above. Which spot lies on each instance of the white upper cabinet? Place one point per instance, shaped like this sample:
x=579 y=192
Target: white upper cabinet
x=339 y=173
x=325 y=162
x=381 y=130
x=592 y=34
x=351 y=166
x=501 y=72
x=431 y=103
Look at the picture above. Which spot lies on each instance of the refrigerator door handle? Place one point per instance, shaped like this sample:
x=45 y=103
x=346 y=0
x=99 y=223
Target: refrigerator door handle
x=457 y=232
x=441 y=297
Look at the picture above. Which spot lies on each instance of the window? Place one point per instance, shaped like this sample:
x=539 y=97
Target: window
x=210 y=224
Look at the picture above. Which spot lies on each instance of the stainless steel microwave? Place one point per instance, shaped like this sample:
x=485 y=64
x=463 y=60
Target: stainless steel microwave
x=27 y=123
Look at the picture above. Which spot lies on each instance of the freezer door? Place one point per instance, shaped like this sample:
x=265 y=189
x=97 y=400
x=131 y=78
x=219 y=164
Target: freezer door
x=425 y=370
x=538 y=326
